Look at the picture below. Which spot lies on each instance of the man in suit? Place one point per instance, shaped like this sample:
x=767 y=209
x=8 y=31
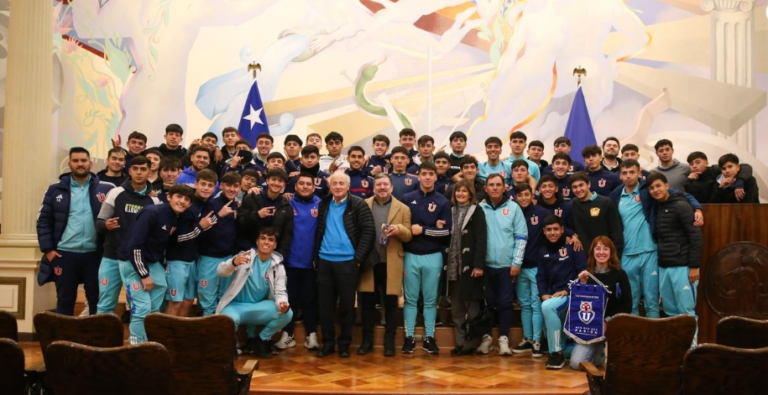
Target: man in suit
x=393 y=228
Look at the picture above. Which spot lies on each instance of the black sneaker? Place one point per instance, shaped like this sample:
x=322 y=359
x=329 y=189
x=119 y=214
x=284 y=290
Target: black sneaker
x=430 y=345
x=457 y=350
x=524 y=347
x=263 y=348
x=556 y=360
x=126 y=317
x=409 y=345
x=251 y=346
x=536 y=350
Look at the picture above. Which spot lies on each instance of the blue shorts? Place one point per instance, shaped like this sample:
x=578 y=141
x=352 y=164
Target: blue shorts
x=182 y=281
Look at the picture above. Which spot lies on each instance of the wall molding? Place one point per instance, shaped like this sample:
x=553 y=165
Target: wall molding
x=21 y=294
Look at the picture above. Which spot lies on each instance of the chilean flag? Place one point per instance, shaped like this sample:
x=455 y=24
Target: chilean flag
x=254 y=120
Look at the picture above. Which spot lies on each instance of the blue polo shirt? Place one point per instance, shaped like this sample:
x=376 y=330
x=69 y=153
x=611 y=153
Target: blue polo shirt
x=80 y=233
x=638 y=237
x=336 y=246
x=503 y=168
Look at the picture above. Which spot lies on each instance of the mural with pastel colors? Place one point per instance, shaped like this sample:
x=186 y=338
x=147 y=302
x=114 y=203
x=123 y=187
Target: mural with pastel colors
x=692 y=71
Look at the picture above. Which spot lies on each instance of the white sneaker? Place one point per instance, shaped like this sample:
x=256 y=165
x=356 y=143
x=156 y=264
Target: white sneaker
x=85 y=312
x=485 y=345
x=311 y=342
x=285 y=341
x=504 y=346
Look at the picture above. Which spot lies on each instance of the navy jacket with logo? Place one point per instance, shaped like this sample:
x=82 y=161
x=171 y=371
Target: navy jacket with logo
x=382 y=161
x=360 y=184
x=54 y=212
x=558 y=265
x=124 y=203
x=534 y=220
x=153 y=229
x=426 y=210
x=603 y=182
x=183 y=247
x=321 y=181
x=219 y=240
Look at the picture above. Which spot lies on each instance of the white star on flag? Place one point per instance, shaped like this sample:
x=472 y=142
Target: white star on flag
x=254 y=116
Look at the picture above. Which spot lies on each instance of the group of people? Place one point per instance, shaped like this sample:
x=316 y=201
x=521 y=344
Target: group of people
x=257 y=234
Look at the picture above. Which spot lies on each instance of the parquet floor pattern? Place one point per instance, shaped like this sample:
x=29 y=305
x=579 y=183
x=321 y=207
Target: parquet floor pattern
x=298 y=371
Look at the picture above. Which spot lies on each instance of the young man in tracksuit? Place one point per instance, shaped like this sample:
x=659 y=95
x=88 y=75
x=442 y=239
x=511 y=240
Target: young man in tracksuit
x=181 y=252
x=561 y=162
x=218 y=242
x=144 y=276
x=268 y=209
x=494 y=165
x=115 y=220
x=527 y=289
x=640 y=259
x=257 y=293
x=310 y=155
x=200 y=157
x=680 y=247
x=430 y=225
x=379 y=161
x=299 y=265
x=507 y=238
x=558 y=264
x=603 y=181
x=551 y=199
x=403 y=182
x=360 y=183
x=67 y=235
x=594 y=215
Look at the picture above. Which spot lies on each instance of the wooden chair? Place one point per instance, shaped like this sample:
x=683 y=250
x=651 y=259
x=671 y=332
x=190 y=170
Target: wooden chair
x=715 y=369
x=9 y=328
x=741 y=332
x=75 y=369
x=12 y=379
x=201 y=352
x=645 y=356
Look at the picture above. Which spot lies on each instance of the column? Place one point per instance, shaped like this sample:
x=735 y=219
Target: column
x=732 y=30
x=28 y=157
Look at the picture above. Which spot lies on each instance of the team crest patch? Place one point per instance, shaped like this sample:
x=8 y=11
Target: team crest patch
x=505 y=211
x=364 y=183
x=203 y=283
x=559 y=212
x=563 y=252
x=136 y=286
x=314 y=212
x=637 y=198
x=318 y=181
x=586 y=315
x=503 y=174
x=432 y=207
x=101 y=197
x=104 y=281
x=535 y=220
x=566 y=191
x=594 y=211
x=295 y=212
x=408 y=181
x=173 y=292
x=601 y=183
x=570 y=168
x=58 y=270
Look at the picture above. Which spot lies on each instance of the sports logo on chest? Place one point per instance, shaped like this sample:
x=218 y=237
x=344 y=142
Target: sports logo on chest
x=535 y=220
x=559 y=212
x=566 y=192
x=314 y=212
x=101 y=197
x=637 y=198
x=318 y=181
x=570 y=168
x=563 y=252
x=432 y=207
x=505 y=211
x=59 y=198
x=594 y=211
x=602 y=183
x=408 y=181
x=364 y=183
x=503 y=174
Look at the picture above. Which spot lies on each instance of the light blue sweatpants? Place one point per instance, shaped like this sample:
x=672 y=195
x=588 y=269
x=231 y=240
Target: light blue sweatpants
x=182 y=281
x=109 y=285
x=261 y=313
x=422 y=273
x=208 y=283
x=678 y=295
x=553 y=310
x=530 y=304
x=142 y=302
x=643 y=273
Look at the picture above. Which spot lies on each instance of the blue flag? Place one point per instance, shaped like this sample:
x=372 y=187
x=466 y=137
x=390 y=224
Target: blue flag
x=586 y=313
x=254 y=120
x=579 y=129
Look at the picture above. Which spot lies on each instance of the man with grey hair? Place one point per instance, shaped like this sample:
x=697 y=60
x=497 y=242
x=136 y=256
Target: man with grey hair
x=343 y=243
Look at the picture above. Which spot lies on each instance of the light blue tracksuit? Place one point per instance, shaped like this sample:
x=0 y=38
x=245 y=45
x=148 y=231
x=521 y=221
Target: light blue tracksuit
x=142 y=302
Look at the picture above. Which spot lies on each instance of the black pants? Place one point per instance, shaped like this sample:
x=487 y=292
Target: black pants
x=302 y=293
x=337 y=281
x=368 y=303
x=71 y=270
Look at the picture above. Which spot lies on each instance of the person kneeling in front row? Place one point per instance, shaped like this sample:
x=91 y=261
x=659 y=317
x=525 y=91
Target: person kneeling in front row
x=257 y=294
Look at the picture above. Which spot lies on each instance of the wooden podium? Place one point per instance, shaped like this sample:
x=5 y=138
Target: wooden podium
x=725 y=224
